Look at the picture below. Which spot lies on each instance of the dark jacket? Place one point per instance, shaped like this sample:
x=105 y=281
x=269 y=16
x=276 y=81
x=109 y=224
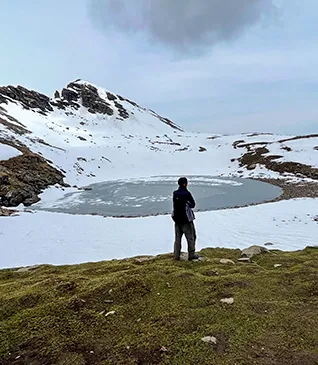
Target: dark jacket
x=183 y=203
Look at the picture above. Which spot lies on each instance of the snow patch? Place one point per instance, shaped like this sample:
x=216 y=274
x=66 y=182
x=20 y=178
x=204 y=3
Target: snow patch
x=70 y=239
x=7 y=152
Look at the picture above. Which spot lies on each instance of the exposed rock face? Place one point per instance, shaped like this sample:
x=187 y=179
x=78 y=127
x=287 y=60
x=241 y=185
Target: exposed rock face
x=89 y=96
x=23 y=177
x=73 y=96
x=69 y=95
x=28 y=98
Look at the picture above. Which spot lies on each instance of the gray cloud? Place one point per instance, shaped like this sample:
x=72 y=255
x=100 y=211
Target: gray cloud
x=182 y=25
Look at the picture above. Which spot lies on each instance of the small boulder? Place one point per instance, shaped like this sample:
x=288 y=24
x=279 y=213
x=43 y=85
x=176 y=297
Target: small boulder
x=244 y=259
x=227 y=300
x=253 y=251
x=210 y=340
x=251 y=167
x=278 y=265
x=227 y=261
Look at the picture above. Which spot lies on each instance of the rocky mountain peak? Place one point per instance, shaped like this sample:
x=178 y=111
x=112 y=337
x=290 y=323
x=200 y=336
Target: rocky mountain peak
x=75 y=95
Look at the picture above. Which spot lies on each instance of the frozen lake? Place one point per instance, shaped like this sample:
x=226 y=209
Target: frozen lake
x=151 y=196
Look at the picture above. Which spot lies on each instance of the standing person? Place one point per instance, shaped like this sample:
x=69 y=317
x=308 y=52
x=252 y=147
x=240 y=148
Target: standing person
x=183 y=216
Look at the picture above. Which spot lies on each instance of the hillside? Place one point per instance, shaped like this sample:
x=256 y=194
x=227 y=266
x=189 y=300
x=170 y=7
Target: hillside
x=153 y=310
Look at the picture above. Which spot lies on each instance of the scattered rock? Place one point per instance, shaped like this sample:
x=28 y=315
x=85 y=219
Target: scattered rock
x=244 y=259
x=111 y=313
x=251 y=167
x=227 y=261
x=227 y=300
x=286 y=148
x=163 y=349
x=210 y=340
x=6 y=212
x=202 y=149
x=253 y=251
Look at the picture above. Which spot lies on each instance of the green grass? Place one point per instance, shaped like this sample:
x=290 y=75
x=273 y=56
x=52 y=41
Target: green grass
x=56 y=315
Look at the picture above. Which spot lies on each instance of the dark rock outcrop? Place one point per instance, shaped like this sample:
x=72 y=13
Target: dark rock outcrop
x=121 y=110
x=29 y=99
x=90 y=98
x=69 y=95
x=23 y=177
x=75 y=95
x=111 y=96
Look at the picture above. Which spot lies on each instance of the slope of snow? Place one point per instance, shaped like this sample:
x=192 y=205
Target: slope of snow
x=300 y=150
x=69 y=239
x=7 y=152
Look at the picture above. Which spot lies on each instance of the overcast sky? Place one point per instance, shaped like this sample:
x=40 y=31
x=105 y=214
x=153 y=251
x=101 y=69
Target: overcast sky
x=219 y=66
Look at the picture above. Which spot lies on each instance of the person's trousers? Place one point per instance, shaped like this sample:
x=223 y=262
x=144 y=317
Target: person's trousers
x=188 y=230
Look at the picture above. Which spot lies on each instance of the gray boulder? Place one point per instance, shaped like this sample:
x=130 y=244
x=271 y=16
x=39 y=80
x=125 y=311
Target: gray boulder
x=253 y=251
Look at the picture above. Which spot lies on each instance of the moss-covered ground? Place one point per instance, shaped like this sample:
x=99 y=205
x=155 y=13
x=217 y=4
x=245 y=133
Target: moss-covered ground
x=156 y=312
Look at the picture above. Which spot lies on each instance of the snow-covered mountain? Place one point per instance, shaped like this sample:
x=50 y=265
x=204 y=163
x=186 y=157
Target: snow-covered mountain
x=90 y=135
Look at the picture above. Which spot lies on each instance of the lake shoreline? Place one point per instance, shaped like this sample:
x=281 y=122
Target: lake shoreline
x=290 y=190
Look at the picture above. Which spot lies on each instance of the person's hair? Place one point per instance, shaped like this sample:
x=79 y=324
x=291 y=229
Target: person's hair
x=183 y=181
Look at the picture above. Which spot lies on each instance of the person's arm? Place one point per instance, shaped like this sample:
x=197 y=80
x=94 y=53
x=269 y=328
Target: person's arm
x=191 y=201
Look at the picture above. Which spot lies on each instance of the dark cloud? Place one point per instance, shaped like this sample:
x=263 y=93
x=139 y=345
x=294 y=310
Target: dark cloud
x=182 y=25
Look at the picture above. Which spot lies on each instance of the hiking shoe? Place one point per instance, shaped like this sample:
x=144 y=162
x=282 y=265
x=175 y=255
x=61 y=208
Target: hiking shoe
x=194 y=257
